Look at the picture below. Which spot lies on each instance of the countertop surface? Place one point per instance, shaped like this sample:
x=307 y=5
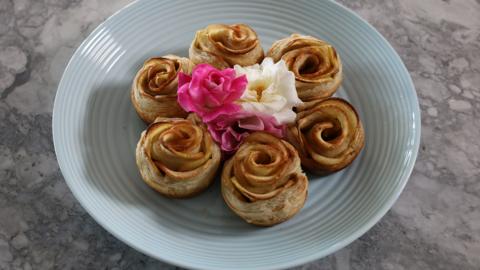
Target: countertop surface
x=435 y=224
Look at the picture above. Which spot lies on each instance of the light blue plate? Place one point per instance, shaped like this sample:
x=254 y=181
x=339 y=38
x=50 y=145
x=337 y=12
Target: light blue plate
x=95 y=129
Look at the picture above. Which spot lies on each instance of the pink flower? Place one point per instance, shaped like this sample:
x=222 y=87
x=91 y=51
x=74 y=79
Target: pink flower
x=229 y=130
x=210 y=92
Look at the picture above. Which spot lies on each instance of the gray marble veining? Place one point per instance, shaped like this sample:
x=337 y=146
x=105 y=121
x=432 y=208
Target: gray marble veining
x=434 y=225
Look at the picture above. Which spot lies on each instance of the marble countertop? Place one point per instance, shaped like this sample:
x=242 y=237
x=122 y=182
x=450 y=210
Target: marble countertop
x=435 y=224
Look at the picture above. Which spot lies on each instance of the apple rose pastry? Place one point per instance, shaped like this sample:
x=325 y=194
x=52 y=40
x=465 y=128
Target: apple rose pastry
x=315 y=63
x=328 y=135
x=224 y=46
x=154 y=89
x=177 y=157
x=263 y=182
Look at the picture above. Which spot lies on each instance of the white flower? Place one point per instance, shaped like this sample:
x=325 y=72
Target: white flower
x=270 y=90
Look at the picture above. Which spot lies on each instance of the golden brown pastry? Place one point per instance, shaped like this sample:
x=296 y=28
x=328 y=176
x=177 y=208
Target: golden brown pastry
x=224 y=46
x=154 y=89
x=315 y=63
x=263 y=182
x=177 y=157
x=327 y=134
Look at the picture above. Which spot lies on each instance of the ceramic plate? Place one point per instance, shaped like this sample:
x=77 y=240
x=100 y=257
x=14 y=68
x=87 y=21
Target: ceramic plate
x=95 y=130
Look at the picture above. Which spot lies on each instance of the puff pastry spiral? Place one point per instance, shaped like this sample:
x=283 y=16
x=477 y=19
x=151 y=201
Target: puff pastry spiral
x=154 y=89
x=177 y=157
x=315 y=63
x=328 y=135
x=224 y=46
x=263 y=182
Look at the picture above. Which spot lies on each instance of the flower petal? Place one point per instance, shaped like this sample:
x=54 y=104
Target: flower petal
x=251 y=123
x=228 y=109
x=183 y=79
x=237 y=88
x=184 y=98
